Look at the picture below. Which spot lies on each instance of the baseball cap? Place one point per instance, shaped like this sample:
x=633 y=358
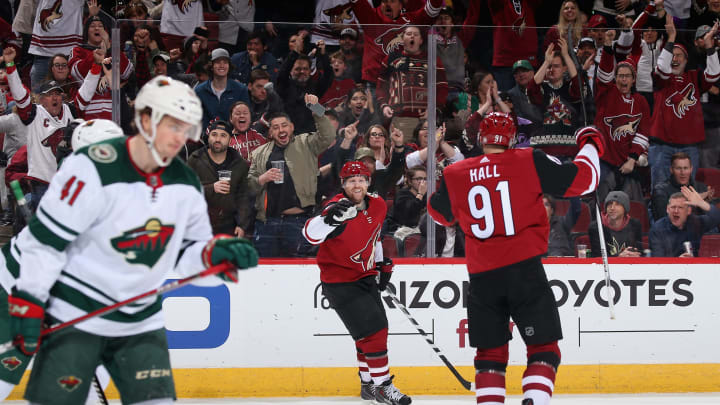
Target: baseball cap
x=597 y=21
x=364 y=152
x=701 y=31
x=620 y=197
x=50 y=86
x=218 y=53
x=219 y=124
x=162 y=55
x=586 y=40
x=349 y=32
x=522 y=63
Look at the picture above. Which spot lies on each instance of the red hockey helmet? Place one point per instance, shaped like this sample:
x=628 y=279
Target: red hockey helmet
x=498 y=128
x=354 y=168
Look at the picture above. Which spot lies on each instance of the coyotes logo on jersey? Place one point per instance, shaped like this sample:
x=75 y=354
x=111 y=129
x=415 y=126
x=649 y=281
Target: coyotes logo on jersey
x=367 y=261
x=145 y=244
x=556 y=112
x=340 y=14
x=622 y=125
x=53 y=140
x=183 y=5
x=681 y=101
x=50 y=15
x=390 y=40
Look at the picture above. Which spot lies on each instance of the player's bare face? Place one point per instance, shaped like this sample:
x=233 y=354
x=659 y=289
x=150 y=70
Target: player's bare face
x=52 y=102
x=412 y=40
x=679 y=61
x=681 y=170
x=240 y=118
x=281 y=131
x=624 y=80
x=678 y=211
x=391 y=8
x=356 y=188
x=171 y=135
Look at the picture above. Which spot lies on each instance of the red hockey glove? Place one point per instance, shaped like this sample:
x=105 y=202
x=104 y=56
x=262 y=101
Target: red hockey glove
x=337 y=213
x=26 y=319
x=592 y=135
x=385 y=268
x=237 y=251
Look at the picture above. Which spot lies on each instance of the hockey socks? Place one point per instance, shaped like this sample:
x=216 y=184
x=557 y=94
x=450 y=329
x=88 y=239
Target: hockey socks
x=538 y=380
x=374 y=348
x=363 y=366
x=490 y=365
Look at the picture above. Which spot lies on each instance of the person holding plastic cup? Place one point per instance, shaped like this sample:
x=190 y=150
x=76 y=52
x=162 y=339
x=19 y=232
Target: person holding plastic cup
x=283 y=176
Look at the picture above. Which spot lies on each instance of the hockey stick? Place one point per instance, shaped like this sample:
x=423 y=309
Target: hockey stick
x=210 y=271
x=27 y=214
x=470 y=386
x=603 y=252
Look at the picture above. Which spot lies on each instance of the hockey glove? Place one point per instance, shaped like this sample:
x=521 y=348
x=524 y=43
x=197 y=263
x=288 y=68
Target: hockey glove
x=26 y=319
x=339 y=212
x=592 y=135
x=385 y=269
x=237 y=251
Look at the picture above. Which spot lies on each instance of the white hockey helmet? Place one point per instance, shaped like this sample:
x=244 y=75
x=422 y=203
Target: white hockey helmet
x=166 y=96
x=94 y=131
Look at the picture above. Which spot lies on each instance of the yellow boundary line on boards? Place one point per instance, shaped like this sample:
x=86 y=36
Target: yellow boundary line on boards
x=337 y=381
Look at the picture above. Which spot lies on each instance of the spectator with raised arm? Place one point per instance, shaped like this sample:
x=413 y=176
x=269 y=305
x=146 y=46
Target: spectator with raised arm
x=402 y=88
x=669 y=234
x=556 y=96
x=623 y=117
x=358 y=109
x=295 y=80
x=263 y=100
x=255 y=57
x=677 y=119
x=452 y=42
x=286 y=197
x=681 y=170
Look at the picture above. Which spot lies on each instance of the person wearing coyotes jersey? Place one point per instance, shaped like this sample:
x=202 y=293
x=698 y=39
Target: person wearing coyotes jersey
x=678 y=119
x=497 y=199
x=382 y=28
x=350 y=255
x=623 y=117
x=118 y=216
x=44 y=121
x=81 y=61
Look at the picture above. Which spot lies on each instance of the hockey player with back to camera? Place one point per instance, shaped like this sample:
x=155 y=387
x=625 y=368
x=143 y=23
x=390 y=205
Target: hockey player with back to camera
x=350 y=258
x=117 y=218
x=497 y=198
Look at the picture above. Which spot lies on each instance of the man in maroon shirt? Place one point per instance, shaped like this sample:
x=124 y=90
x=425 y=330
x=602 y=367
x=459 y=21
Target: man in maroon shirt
x=497 y=199
x=350 y=255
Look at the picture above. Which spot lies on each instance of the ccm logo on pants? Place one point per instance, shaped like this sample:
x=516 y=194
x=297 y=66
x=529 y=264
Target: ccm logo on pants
x=155 y=373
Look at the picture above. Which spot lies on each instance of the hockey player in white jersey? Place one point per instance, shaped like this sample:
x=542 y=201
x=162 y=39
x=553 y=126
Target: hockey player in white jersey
x=14 y=362
x=117 y=217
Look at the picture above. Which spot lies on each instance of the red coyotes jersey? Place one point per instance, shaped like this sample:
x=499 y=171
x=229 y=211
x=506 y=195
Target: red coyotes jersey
x=623 y=121
x=678 y=116
x=350 y=255
x=100 y=106
x=497 y=200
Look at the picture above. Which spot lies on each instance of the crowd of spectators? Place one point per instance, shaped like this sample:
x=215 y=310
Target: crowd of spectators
x=645 y=73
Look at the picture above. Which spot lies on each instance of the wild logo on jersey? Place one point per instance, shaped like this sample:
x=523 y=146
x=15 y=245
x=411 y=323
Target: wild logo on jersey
x=144 y=245
x=11 y=363
x=69 y=383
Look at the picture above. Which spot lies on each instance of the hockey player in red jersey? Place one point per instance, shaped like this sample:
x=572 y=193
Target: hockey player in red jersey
x=497 y=198
x=350 y=258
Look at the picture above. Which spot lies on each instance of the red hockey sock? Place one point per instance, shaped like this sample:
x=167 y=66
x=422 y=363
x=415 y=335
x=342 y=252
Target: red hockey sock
x=490 y=387
x=538 y=383
x=374 y=348
x=363 y=366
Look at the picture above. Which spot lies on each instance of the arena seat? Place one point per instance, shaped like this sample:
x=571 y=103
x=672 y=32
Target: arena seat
x=710 y=246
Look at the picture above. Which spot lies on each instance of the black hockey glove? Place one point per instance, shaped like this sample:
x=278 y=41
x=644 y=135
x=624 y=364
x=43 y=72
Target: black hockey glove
x=339 y=212
x=385 y=272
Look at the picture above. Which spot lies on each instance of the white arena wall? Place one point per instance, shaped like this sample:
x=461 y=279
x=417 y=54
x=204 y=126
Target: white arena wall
x=273 y=335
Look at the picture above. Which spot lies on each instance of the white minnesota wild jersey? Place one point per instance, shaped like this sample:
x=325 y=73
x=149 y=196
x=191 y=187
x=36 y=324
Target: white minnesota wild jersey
x=105 y=232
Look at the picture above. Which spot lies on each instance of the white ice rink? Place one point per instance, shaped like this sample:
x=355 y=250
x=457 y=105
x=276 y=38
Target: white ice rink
x=598 y=399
